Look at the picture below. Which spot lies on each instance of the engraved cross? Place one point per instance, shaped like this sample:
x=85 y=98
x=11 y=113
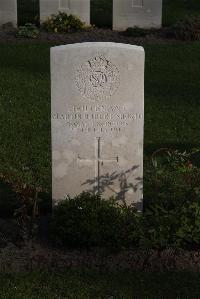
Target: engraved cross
x=99 y=161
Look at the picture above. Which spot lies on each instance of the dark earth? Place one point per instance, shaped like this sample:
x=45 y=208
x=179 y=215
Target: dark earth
x=94 y=35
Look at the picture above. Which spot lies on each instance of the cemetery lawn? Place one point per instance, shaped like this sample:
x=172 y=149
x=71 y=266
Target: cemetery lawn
x=91 y=285
x=171 y=105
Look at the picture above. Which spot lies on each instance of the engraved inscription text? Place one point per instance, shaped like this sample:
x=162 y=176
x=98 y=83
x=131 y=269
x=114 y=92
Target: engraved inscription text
x=98 y=118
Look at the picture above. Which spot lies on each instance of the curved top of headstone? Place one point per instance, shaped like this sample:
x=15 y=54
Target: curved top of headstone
x=98 y=44
x=96 y=76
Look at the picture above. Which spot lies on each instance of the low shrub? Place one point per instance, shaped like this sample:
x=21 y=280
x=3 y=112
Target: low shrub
x=63 y=23
x=171 y=210
x=88 y=220
x=136 y=32
x=171 y=178
x=187 y=29
x=172 y=200
x=171 y=214
x=28 y=31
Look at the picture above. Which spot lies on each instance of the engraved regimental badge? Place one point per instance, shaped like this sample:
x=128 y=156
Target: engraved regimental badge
x=97 y=79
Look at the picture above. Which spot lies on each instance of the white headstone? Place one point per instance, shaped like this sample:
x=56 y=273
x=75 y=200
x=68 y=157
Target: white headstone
x=8 y=12
x=80 y=8
x=140 y=13
x=97 y=120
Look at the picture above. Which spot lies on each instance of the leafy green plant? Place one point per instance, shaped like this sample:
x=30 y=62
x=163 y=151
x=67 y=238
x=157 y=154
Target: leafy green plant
x=136 y=32
x=166 y=226
x=88 y=220
x=171 y=210
x=172 y=200
x=29 y=30
x=187 y=29
x=171 y=178
x=63 y=23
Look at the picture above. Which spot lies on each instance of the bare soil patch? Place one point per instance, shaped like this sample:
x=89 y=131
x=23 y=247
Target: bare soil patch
x=94 y=35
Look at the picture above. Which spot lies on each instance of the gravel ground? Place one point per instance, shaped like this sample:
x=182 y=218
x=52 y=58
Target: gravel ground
x=17 y=256
x=94 y=35
x=17 y=259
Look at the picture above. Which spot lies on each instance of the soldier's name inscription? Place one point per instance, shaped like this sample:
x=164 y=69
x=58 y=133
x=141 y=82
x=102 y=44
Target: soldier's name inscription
x=97 y=118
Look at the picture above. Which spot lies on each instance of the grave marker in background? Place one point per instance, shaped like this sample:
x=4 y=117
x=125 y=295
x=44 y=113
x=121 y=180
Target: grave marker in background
x=80 y=8
x=8 y=12
x=97 y=120
x=140 y=13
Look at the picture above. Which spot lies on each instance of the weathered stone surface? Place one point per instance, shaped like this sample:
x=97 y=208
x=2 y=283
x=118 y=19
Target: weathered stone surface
x=140 y=13
x=97 y=120
x=8 y=12
x=79 y=8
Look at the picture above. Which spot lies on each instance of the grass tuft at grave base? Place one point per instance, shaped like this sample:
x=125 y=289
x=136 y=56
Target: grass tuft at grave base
x=171 y=106
x=92 y=285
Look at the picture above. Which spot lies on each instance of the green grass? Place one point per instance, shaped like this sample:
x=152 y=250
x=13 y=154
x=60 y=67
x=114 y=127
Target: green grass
x=25 y=112
x=105 y=286
x=171 y=105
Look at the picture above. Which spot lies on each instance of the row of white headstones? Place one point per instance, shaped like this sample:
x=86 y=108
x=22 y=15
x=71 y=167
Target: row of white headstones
x=126 y=13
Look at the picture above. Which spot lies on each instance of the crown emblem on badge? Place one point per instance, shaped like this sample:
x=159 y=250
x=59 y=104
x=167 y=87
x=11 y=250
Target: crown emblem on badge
x=97 y=79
